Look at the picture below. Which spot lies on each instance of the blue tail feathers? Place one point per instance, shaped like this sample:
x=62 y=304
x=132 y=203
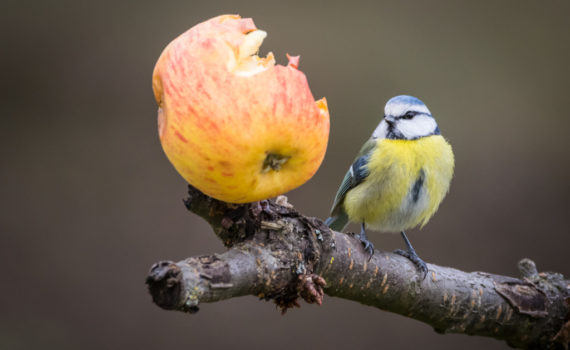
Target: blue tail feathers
x=337 y=222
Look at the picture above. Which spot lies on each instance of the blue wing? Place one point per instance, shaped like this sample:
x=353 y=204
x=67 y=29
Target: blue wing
x=357 y=172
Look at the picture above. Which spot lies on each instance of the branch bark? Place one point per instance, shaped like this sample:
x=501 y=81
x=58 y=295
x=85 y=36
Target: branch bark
x=278 y=254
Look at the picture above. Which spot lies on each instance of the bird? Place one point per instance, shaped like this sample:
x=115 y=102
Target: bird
x=399 y=177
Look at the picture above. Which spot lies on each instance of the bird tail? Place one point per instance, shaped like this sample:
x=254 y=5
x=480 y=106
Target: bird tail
x=337 y=222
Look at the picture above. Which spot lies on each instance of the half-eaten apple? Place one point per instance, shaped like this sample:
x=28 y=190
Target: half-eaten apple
x=235 y=125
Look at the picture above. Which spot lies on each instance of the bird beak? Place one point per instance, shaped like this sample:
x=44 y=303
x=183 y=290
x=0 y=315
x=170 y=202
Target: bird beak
x=389 y=119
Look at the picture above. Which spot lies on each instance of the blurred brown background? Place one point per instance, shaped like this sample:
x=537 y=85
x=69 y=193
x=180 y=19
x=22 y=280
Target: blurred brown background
x=89 y=201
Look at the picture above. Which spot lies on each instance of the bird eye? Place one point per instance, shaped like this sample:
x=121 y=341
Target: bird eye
x=408 y=115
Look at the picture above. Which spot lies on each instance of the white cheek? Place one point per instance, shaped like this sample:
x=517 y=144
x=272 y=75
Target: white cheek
x=381 y=130
x=417 y=127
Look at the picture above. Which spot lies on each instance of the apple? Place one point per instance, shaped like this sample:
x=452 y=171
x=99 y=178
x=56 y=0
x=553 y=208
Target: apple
x=237 y=126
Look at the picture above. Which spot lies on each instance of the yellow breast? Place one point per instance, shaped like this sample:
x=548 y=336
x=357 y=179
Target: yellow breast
x=387 y=200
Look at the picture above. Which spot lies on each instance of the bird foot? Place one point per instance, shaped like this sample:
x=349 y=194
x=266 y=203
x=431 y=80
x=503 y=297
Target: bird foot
x=368 y=246
x=415 y=259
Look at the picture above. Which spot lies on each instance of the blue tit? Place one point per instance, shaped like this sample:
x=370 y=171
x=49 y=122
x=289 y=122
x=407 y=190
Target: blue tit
x=398 y=178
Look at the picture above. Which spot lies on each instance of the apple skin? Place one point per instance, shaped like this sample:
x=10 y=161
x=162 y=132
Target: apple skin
x=237 y=127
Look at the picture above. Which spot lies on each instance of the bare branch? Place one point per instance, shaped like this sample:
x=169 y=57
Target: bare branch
x=278 y=254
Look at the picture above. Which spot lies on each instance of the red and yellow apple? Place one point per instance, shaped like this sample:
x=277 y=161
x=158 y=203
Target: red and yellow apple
x=235 y=125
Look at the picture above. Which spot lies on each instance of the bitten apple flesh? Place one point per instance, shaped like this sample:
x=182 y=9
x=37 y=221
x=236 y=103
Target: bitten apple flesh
x=237 y=126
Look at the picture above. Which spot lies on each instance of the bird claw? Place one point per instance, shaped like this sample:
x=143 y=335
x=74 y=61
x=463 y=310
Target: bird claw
x=368 y=246
x=415 y=259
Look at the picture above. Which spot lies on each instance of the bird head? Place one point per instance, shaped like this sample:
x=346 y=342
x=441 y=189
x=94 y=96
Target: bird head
x=406 y=118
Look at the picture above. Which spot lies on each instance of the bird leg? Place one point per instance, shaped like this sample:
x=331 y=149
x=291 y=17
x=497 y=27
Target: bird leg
x=411 y=254
x=368 y=246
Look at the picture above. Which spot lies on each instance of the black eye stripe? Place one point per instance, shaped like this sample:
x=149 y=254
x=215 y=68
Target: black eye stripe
x=408 y=115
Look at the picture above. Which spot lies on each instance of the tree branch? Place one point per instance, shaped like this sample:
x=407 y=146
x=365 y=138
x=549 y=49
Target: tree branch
x=278 y=254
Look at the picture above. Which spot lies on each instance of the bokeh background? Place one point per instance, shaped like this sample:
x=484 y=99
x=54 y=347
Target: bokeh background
x=89 y=201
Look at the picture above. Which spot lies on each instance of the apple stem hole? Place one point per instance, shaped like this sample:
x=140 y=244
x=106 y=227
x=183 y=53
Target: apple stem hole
x=273 y=161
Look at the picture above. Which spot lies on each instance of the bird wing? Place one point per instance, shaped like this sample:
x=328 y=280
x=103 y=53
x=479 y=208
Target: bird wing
x=354 y=176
